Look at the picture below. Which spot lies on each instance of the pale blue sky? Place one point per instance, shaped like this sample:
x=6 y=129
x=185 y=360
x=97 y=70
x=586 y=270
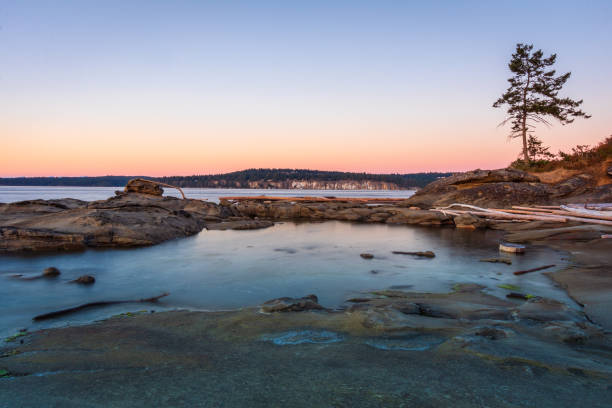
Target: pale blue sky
x=407 y=86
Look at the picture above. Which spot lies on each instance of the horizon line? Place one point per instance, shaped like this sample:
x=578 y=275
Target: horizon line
x=235 y=171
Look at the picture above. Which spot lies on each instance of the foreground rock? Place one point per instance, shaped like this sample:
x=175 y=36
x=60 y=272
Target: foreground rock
x=387 y=352
x=589 y=279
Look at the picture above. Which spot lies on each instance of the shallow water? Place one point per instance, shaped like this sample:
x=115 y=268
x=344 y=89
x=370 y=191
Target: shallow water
x=217 y=270
x=10 y=194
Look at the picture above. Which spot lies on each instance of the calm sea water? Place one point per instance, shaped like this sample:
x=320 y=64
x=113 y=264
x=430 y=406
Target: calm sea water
x=217 y=270
x=9 y=194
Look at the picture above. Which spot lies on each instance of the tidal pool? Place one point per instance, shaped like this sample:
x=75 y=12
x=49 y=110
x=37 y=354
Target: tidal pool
x=218 y=270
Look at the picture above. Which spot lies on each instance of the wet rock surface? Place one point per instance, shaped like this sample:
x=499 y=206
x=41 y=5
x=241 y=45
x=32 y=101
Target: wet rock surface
x=392 y=343
x=287 y=304
x=386 y=353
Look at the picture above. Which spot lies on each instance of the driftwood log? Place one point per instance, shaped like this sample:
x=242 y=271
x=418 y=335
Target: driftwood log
x=64 y=312
x=571 y=214
x=503 y=215
x=559 y=214
x=426 y=254
x=534 y=269
x=163 y=185
x=516 y=295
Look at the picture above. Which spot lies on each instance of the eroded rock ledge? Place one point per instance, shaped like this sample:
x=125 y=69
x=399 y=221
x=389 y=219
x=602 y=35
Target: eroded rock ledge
x=504 y=188
x=138 y=216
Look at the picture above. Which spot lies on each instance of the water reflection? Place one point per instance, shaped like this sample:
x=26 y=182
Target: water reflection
x=230 y=269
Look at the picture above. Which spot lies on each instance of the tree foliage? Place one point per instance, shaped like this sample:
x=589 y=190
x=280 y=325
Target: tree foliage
x=533 y=95
x=581 y=156
x=537 y=150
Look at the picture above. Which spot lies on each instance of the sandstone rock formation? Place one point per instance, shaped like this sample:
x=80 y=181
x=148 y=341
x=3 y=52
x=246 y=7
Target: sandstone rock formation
x=342 y=211
x=143 y=187
x=127 y=220
x=506 y=187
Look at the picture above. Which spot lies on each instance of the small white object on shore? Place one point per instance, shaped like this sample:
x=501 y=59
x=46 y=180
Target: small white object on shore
x=514 y=248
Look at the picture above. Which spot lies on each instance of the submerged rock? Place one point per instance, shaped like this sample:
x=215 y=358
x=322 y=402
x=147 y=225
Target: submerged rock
x=303 y=336
x=366 y=256
x=419 y=342
x=51 y=272
x=287 y=304
x=84 y=280
x=492 y=333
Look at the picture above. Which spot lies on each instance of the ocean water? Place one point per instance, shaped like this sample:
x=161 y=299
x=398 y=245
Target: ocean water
x=10 y=194
x=219 y=270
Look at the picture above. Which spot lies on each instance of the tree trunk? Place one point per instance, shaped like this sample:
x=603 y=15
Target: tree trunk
x=524 y=124
x=525 y=152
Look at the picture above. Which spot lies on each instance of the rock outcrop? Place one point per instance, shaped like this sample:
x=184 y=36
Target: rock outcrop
x=507 y=187
x=127 y=220
x=143 y=187
x=341 y=211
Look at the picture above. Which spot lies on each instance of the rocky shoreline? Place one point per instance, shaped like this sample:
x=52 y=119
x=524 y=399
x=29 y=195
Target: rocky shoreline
x=141 y=216
x=474 y=338
x=283 y=346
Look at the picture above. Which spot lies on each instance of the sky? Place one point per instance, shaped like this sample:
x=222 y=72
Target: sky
x=196 y=87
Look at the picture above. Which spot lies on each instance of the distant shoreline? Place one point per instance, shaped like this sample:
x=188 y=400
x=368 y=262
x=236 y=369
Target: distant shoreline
x=291 y=179
x=218 y=188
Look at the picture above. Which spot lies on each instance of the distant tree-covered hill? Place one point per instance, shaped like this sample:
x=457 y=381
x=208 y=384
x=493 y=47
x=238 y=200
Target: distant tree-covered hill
x=251 y=178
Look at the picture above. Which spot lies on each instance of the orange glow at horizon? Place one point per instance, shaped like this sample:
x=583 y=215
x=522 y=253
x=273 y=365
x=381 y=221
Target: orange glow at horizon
x=159 y=151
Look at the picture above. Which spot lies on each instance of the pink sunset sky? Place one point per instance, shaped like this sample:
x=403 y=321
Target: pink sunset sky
x=156 y=88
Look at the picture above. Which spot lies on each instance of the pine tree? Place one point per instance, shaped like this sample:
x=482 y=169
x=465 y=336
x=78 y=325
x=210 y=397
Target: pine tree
x=537 y=150
x=533 y=95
